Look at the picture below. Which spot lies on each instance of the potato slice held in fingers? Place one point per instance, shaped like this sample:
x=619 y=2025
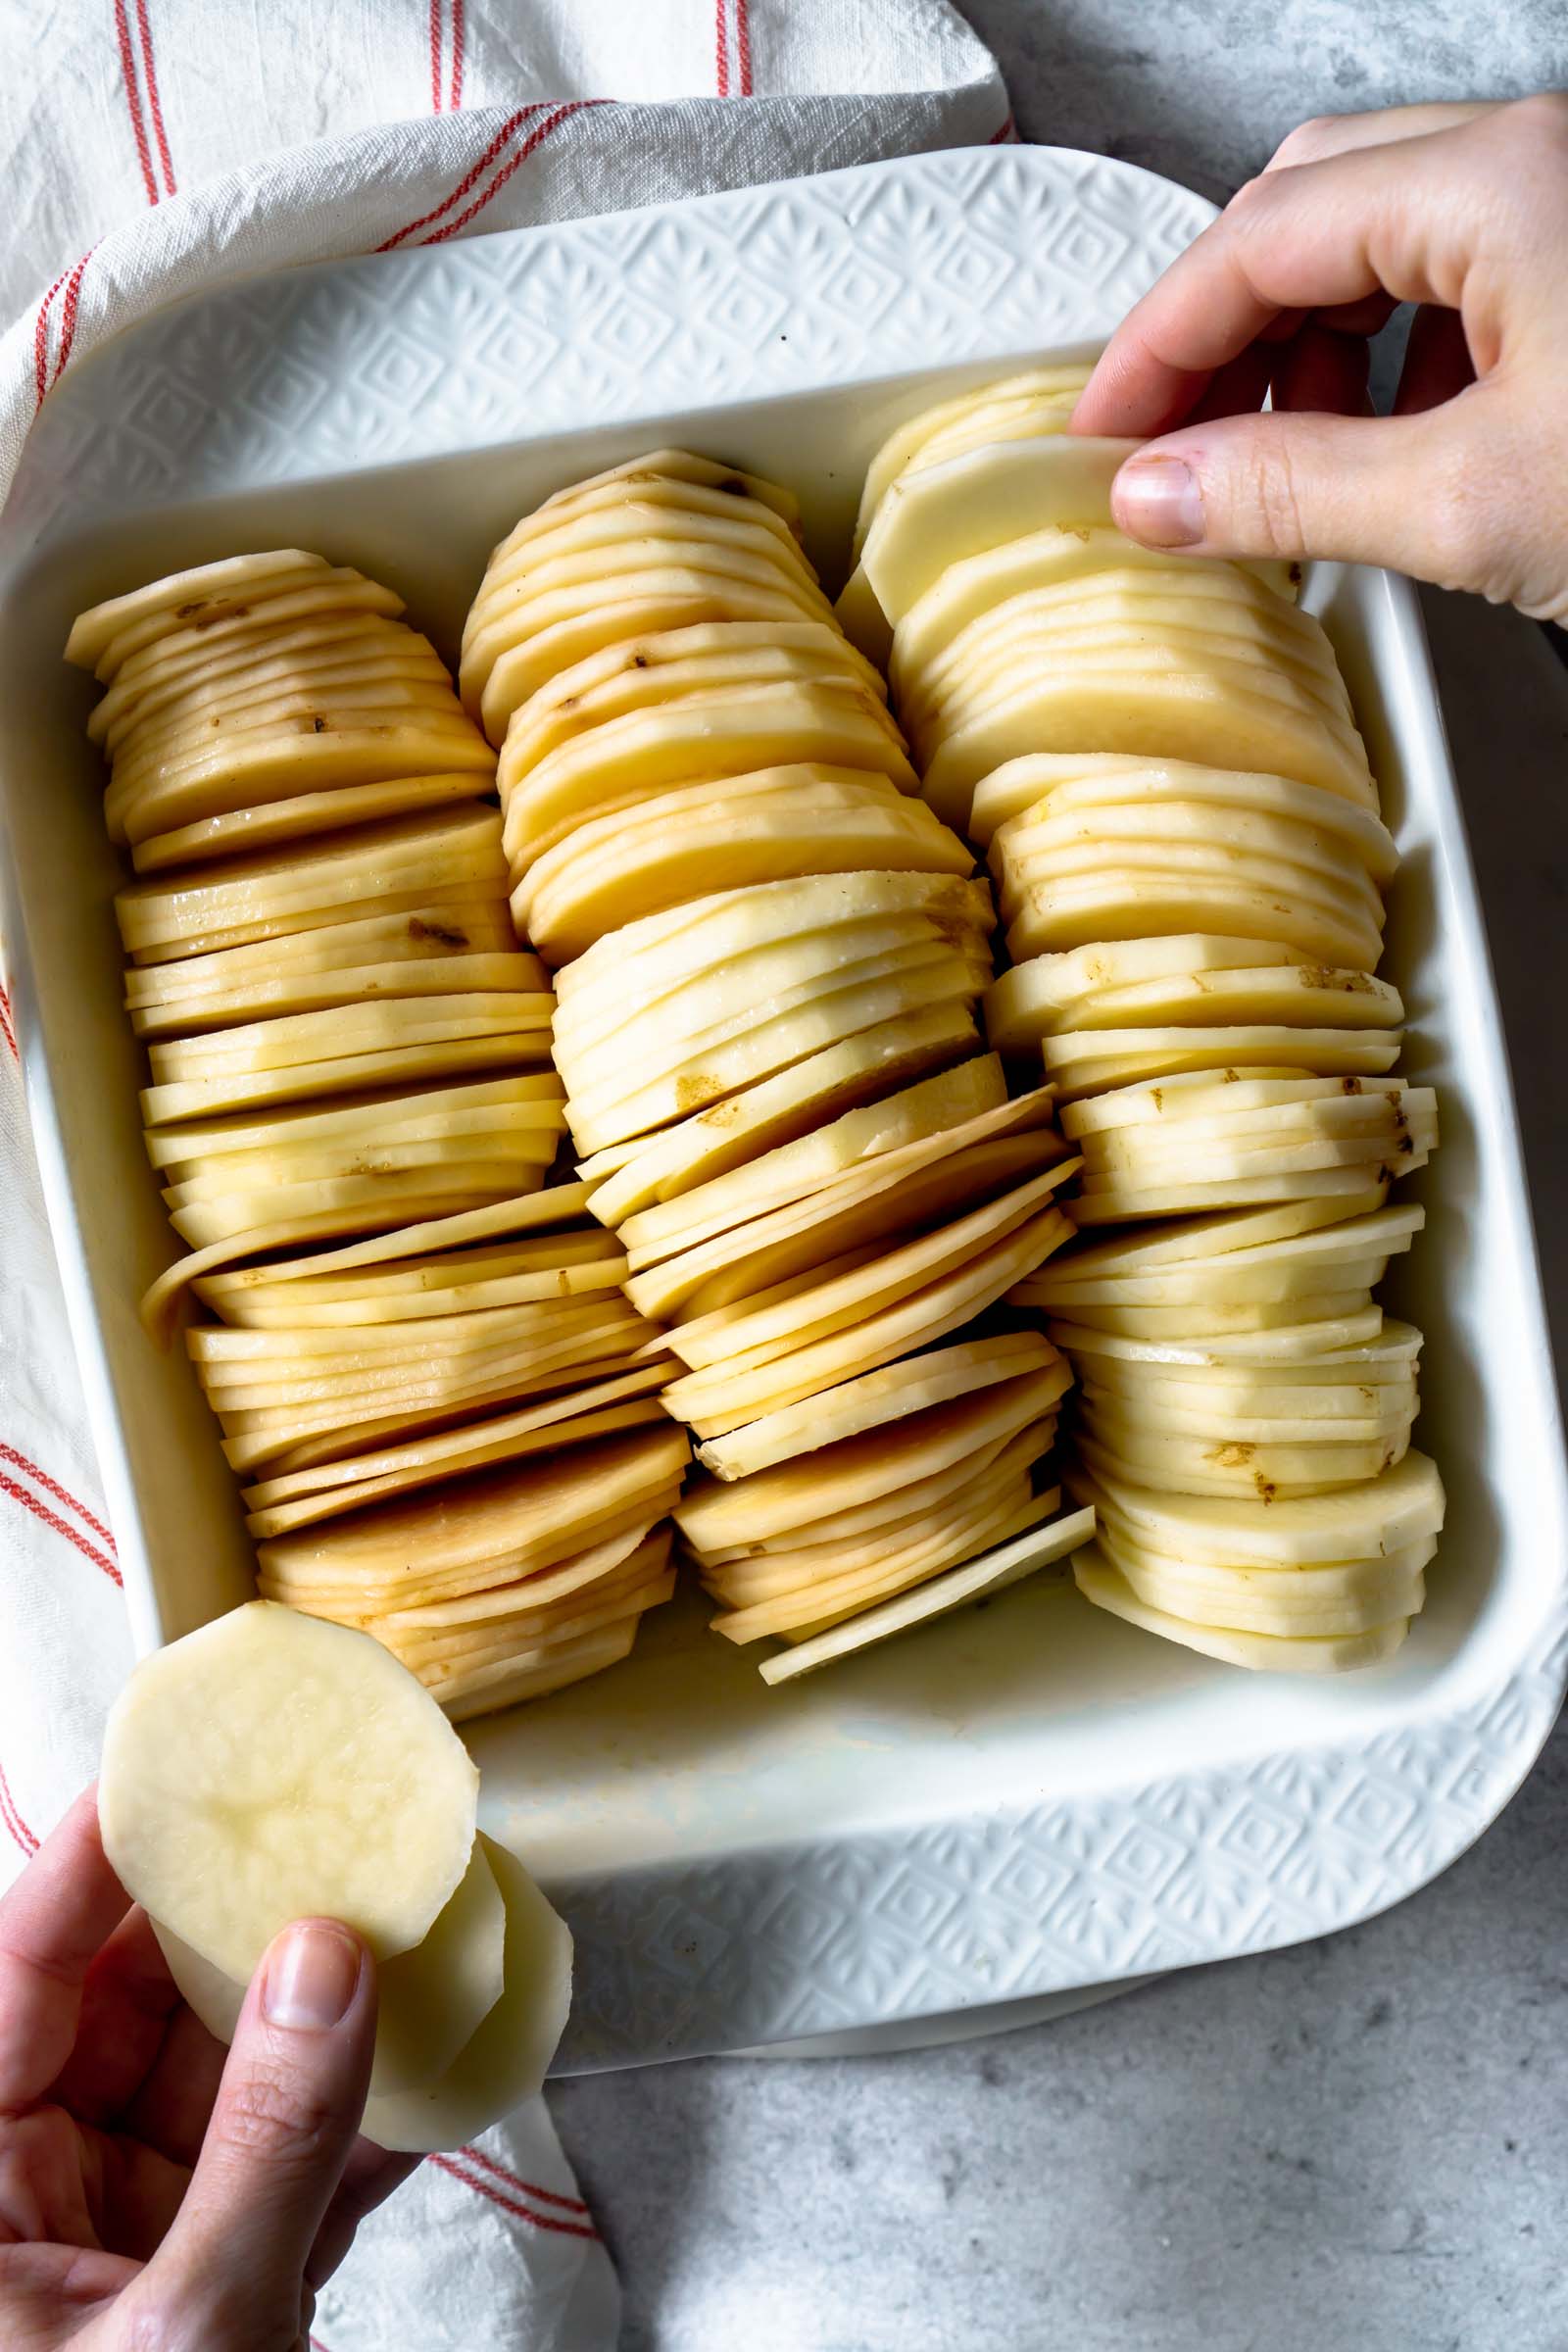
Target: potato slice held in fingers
x=271 y=1766
x=430 y=1999
x=505 y=2061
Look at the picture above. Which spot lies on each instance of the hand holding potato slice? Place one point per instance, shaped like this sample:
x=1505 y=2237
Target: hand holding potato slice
x=272 y=1767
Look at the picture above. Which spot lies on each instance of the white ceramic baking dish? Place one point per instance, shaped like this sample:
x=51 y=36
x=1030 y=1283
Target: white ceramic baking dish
x=1025 y=1797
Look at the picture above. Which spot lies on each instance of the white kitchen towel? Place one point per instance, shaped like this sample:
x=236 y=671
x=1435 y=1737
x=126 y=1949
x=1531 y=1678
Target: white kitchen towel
x=150 y=148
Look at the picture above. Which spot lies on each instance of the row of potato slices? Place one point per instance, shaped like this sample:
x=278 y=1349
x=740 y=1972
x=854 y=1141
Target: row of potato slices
x=1245 y=1412
x=695 y=722
x=1195 y=903
x=1240 y=1357
x=808 y=1290
x=346 y=1041
x=769 y=937
x=322 y=1069
x=267 y=698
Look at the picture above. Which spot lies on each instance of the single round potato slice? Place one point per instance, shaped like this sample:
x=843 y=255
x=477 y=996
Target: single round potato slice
x=272 y=1767
x=503 y=2062
x=431 y=1999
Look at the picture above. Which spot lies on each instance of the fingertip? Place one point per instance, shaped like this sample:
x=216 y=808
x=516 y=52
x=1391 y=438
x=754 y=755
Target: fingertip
x=312 y=1976
x=1159 y=501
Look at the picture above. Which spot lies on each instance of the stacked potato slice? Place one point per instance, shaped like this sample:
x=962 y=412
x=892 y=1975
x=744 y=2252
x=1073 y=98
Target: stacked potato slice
x=348 y=1045
x=209 y=1737
x=766 y=1025
x=1162 y=760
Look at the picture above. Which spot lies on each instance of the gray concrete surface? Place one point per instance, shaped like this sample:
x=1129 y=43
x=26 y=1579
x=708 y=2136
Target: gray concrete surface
x=1355 y=2146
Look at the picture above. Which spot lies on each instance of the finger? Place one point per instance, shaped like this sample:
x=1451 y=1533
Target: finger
x=171 y=2110
x=1341 y=134
x=1437 y=363
x=127 y=2003
x=1308 y=238
x=1324 y=372
x=285 y=2121
x=368 y=2180
x=1289 y=485
x=53 y=1921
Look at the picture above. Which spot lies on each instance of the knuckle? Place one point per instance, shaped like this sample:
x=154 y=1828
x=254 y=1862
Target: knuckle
x=271 y=2113
x=1304 y=143
x=1272 y=499
x=1252 y=197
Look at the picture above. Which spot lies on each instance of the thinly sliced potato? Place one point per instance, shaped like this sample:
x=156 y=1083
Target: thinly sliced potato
x=1269 y=1654
x=1366 y=1521
x=977 y=1580
x=269 y=1768
x=237 y=830
x=718 y=1401
x=505 y=2061
x=429 y=2000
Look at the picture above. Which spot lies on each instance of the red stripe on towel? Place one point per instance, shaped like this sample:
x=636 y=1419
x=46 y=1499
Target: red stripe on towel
x=138 y=128
x=512 y=2205
x=40 y=352
x=455 y=101
x=502 y=137
x=50 y=1486
x=535 y=139
x=531 y=2189
x=154 y=108
x=11 y=1818
x=67 y=313
x=62 y=1527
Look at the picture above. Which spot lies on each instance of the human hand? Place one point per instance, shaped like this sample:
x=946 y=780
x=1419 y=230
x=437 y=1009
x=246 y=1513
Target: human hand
x=1460 y=208
x=158 y=2193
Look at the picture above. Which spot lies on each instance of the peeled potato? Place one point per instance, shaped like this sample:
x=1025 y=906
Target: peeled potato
x=504 y=2060
x=270 y=1767
x=785 y=822
x=699 y=1179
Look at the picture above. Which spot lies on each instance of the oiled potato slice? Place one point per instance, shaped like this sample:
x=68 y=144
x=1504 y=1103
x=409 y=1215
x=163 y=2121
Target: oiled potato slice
x=270 y=1768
